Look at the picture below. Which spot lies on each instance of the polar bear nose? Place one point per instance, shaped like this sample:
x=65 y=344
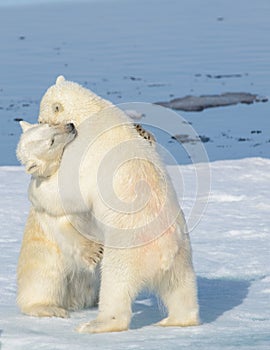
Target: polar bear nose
x=70 y=127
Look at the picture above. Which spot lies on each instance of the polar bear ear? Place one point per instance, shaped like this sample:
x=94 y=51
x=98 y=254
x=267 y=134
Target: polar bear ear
x=25 y=125
x=60 y=79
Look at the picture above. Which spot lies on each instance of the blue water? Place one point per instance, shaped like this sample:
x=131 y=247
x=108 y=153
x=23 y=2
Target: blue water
x=39 y=2
x=134 y=50
x=29 y=2
x=24 y=2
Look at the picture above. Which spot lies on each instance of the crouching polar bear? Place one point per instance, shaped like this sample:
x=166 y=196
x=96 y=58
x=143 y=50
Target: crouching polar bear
x=56 y=272
x=111 y=187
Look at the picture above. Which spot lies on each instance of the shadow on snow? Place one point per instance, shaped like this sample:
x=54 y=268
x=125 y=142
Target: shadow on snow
x=216 y=296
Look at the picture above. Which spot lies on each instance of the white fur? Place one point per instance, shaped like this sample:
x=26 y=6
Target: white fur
x=117 y=171
x=57 y=268
x=41 y=147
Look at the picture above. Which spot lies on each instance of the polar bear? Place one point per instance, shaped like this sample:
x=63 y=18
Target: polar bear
x=40 y=150
x=41 y=147
x=112 y=187
x=55 y=273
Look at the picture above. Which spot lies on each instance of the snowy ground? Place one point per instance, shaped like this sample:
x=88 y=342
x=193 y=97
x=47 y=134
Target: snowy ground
x=148 y=51
x=231 y=255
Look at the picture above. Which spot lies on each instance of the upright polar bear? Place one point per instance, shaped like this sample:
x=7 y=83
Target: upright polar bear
x=112 y=187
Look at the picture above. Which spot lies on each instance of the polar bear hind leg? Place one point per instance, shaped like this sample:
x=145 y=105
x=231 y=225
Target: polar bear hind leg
x=39 y=277
x=178 y=292
x=41 y=310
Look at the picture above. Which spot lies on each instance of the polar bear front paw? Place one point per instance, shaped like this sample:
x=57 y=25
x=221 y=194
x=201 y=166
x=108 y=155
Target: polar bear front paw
x=46 y=311
x=92 y=254
x=97 y=326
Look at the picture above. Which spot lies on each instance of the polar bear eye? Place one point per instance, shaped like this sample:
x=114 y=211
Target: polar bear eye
x=52 y=141
x=57 y=107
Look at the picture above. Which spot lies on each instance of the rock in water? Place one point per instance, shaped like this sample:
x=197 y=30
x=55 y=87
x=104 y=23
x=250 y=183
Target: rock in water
x=199 y=103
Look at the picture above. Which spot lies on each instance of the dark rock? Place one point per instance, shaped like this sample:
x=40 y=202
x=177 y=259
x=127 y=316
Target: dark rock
x=243 y=139
x=113 y=92
x=220 y=76
x=184 y=138
x=156 y=84
x=133 y=78
x=199 y=103
x=204 y=139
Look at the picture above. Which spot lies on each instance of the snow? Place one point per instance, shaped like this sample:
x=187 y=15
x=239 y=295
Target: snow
x=149 y=51
x=142 y=51
x=231 y=255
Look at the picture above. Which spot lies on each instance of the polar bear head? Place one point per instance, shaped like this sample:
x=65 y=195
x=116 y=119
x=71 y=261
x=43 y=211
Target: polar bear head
x=41 y=147
x=67 y=101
